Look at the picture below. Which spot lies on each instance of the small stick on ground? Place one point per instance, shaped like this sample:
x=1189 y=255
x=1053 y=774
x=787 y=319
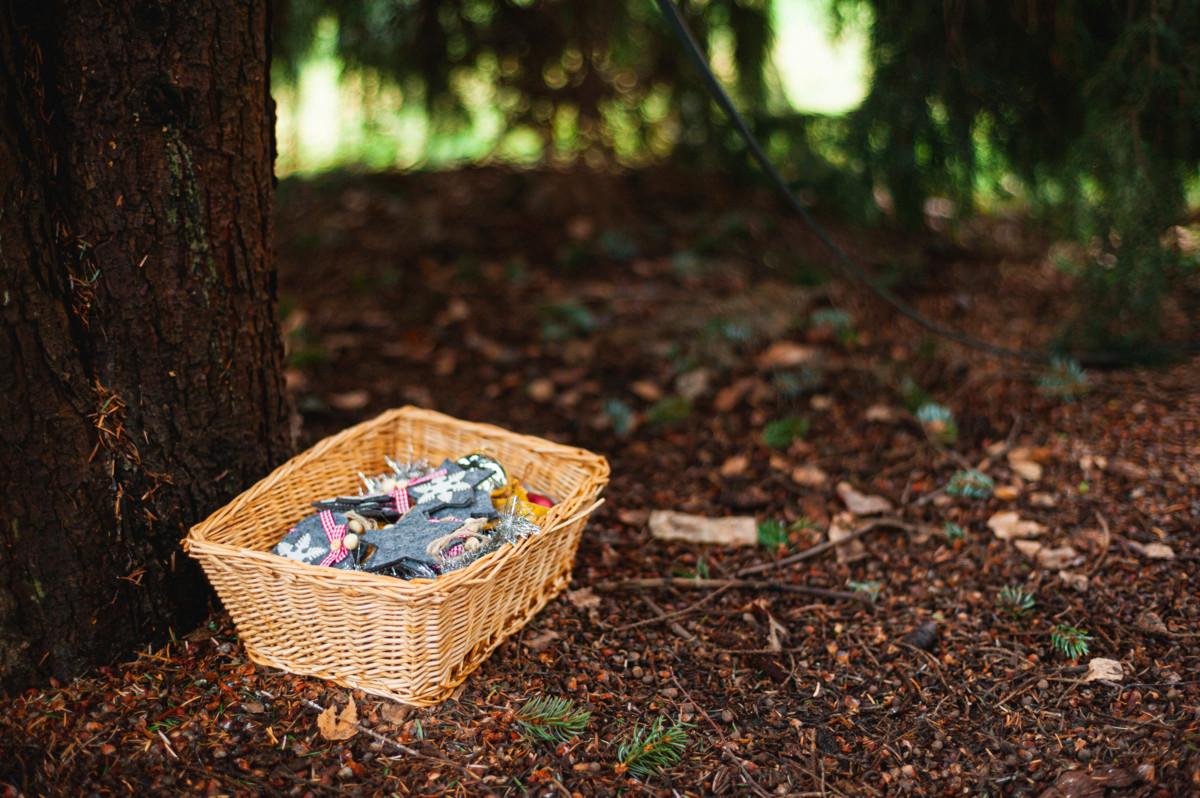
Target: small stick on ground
x=671 y=615
x=734 y=584
x=663 y=616
x=379 y=738
x=721 y=740
x=820 y=548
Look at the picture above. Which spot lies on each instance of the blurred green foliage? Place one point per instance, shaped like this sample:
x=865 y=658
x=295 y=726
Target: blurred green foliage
x=1088 y=111
x=1085 y=113
x=572 y=77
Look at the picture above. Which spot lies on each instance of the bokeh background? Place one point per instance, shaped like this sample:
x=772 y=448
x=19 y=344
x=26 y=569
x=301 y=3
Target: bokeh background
x=1080 y=118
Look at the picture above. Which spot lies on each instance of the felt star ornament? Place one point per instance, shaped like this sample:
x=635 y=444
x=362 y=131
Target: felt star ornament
x=455 y=488
x=319 y=539
x=415 y=542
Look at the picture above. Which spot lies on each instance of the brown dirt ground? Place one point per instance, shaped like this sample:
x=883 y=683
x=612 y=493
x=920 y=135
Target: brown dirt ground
x=557 y=304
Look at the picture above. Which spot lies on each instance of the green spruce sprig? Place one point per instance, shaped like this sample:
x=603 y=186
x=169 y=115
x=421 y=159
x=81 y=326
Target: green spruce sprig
x=1015 y=600
x=649 y=750
x=1070 y=641
x=970 y=484
x=552 y=719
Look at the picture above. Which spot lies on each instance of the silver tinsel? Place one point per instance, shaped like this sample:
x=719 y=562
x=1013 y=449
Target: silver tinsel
x=398 y=472
x=512 y=526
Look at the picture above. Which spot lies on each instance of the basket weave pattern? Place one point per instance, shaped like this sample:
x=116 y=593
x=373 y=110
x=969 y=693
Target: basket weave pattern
x=413 y=641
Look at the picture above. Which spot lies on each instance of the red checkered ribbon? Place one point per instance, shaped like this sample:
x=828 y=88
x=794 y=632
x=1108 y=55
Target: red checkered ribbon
x=400 y=492
x=337 y=539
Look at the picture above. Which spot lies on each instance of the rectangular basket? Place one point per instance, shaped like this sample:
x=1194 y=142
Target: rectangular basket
x=413 y=641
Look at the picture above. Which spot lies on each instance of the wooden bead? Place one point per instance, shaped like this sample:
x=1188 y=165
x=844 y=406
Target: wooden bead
x=355 y=526
x=351 y=541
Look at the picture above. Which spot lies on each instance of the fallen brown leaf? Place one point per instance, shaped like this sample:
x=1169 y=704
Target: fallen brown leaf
x=732 y=531
x=646 y=390
x=1101 y=669
x=731 y=396
x=1008 y=525
x=334 y=726
x=1006 y=493
x=1150 y=621
x=583 y=598
x=395 y=712
x=861 y=503
x=1057 y=558
x=1152 y=551
x=777 y=633
x=840 y=528
x=351 y=400
x=882 y=414
x=541 y=390
x=1082 y=784
x=1077 y=582
x=787 y=354
x=542 y=640
x=809 y=475
x=1029 y=548
x=735 y=466
x=1021 y=461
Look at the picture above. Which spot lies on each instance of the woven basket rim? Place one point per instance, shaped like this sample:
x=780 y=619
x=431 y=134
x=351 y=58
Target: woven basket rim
x=197 y=543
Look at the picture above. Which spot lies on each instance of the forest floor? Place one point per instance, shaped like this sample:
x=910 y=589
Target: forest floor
x=687 y=331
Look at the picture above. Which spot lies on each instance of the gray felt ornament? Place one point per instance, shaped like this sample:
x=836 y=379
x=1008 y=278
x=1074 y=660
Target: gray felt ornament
x=309 y=543
x=415 y=542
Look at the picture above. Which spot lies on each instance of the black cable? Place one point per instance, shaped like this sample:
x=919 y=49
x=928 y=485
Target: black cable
x=671 y=13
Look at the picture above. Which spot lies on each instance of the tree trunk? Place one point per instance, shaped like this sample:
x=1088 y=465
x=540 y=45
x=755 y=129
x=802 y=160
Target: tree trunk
x=140 y=382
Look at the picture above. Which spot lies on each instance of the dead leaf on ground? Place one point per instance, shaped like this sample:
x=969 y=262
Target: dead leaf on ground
x=351 y=400
x=395 y=712
x=1006 y=493
x=1077 y=582
x=787 y=354
x=1150 y=621
x=840 y=528
x=1021 y=461
x=1152 y=551
x=1029 y=548
x=777 y=633
x=1042 y=499
x=1131 y=471
x=1082 y=784
x=731 y=396
x=735 y=466
x=541 y=390
x=810 y=476
x=583 y=598
x=1008 y=526
x=1101 y=669
x=633 y=517
x=647 y=390
x=732 y=531
x=821 y=403
x=542 y=640
x=334 y=726
x=693 y=384
x=861 y=503
x=882 y=414
x=1057 y=558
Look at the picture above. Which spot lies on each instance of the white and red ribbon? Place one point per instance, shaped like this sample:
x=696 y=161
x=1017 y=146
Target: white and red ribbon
x=400 y=492
x=337 y=539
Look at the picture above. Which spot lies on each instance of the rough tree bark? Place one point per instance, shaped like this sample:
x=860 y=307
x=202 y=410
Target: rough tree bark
x=140 y=382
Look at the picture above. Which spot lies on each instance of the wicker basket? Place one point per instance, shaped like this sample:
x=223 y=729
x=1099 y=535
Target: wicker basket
x=413 y=641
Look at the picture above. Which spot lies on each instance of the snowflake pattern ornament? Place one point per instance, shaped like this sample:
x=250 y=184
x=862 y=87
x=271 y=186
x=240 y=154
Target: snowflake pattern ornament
x=318 y=539
x=417 y=522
